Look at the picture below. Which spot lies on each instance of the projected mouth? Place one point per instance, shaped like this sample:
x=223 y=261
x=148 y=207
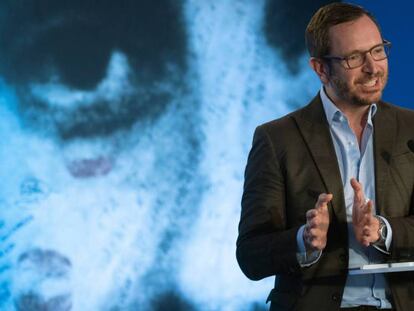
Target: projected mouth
x=92 y=167
x=102 y=120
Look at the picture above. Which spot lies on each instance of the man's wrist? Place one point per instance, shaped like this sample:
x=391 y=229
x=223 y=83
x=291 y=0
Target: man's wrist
x=382 y=232
x=305 y=257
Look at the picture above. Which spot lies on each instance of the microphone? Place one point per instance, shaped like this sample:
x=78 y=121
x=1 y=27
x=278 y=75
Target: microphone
x=410 y=145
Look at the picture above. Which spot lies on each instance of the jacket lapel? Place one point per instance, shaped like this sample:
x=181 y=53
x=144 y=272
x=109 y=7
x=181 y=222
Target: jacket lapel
x=384 y=138
x=314 y=128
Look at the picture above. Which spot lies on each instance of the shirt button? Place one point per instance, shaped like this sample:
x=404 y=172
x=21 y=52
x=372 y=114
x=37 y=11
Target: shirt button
x=335 y=297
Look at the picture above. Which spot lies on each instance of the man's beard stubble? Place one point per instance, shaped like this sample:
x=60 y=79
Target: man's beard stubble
x=344 y=92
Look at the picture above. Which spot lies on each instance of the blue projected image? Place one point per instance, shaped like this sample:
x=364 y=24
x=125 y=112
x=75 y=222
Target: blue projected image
x=124 y=133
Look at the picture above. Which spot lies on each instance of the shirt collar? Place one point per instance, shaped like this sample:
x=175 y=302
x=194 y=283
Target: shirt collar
x=334 y=114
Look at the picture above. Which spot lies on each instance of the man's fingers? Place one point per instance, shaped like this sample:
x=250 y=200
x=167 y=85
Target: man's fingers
x=317 y=223
x=323 y=200
x=314 y=240
x=356 y=185
x=366 y=231
x=363 y=213
x=311 y=214
x=367 y=208
x=358 y=191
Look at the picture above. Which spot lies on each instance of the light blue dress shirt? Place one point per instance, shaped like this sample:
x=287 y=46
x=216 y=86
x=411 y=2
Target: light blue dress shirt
x=357 y=162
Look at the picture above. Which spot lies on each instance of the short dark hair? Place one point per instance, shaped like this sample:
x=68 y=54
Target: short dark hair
x=317 y=31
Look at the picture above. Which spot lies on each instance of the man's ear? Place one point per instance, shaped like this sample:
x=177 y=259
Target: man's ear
x=321 y=69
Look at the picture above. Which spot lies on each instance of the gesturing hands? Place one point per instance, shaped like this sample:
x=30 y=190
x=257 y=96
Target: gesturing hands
x=364 y=223
x=317 y=224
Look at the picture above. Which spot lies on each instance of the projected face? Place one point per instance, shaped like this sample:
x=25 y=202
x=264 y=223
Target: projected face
x=151 y=223
x=87 y=70
x=84 y=73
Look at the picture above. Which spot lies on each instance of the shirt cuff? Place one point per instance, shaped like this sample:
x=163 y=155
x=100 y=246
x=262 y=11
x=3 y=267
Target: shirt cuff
x=305 y=259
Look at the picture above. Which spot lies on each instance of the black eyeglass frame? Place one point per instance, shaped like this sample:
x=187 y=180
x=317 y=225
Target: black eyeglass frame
x=385 y=43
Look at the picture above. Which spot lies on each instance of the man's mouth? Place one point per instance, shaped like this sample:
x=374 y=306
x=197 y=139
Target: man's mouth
x=370 y=83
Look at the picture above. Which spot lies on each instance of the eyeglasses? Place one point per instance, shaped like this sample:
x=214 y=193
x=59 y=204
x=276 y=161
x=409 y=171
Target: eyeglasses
x=357 y=59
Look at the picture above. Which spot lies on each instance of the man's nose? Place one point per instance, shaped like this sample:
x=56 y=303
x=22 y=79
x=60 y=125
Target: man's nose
x=370 y=65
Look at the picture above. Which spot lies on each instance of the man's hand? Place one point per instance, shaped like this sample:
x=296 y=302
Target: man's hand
x=365 y=224
x=317 y=224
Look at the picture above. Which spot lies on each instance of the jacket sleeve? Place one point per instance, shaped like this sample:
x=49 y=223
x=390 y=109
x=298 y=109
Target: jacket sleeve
x=402 y=245
x=265 y=245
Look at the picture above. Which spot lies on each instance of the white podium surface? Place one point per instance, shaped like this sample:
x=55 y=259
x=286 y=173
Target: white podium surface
x=383 y=268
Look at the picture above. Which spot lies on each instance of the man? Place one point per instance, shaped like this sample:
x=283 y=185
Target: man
x=329 y=187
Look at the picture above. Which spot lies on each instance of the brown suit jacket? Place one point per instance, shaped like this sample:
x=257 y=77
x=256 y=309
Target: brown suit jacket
x=291 y=162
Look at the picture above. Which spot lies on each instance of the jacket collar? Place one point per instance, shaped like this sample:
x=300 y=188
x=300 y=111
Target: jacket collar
x=385 y=136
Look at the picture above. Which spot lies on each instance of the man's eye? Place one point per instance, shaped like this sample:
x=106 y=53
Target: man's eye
x=354 y=57
x=379 y=50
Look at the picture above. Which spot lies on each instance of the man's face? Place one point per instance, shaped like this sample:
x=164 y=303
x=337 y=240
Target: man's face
x=362 y=85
